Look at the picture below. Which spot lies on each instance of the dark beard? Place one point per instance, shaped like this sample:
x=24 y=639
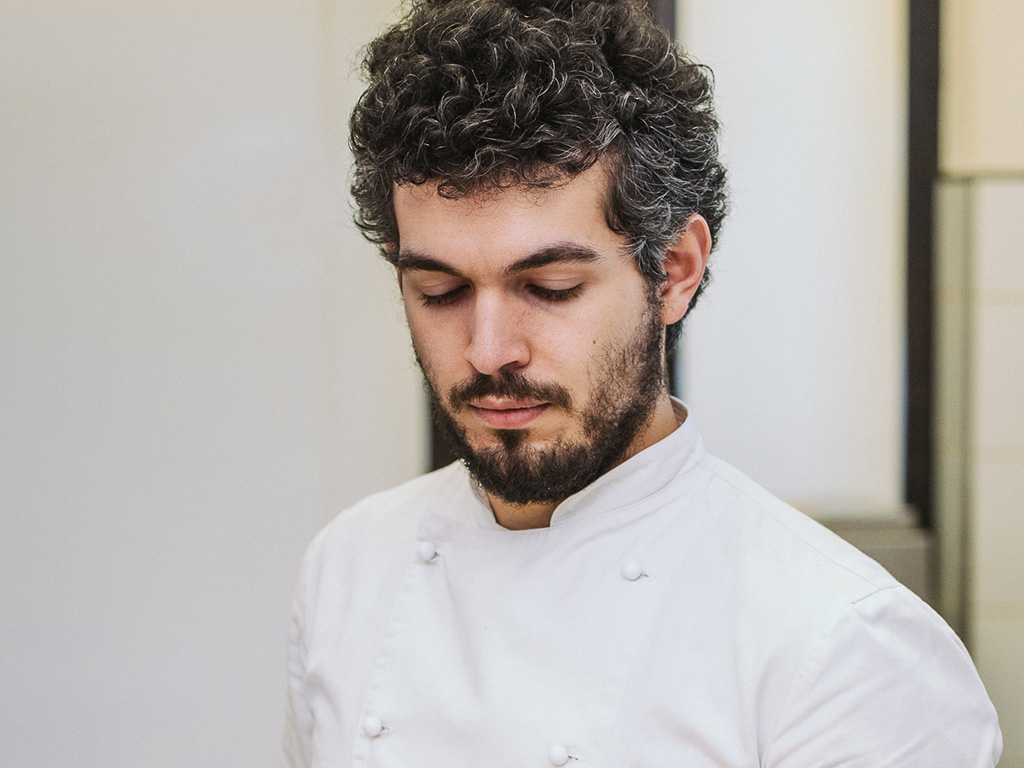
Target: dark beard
x=621 y=405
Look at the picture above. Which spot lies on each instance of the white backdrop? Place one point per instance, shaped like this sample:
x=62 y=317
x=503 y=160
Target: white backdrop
x=794 y=359
x=200 y=362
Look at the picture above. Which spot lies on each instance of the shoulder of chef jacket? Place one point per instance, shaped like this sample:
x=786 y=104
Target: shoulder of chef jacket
x=666 y=618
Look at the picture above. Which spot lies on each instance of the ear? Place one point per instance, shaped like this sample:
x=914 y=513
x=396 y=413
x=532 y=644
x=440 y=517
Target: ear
x=684 y=263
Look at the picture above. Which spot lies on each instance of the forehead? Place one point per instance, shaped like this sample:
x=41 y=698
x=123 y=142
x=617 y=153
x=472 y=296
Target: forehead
x=496 y=227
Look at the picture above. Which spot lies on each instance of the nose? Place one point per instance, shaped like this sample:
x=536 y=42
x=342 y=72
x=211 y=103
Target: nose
x=496 y=338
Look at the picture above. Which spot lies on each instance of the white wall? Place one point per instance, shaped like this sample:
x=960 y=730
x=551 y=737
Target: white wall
x=794 y=360
x=201 y=363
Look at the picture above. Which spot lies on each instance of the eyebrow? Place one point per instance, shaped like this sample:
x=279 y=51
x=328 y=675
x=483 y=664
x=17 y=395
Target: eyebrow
x=559 y=253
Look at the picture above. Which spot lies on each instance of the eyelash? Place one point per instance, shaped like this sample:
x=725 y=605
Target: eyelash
x=442 y=299
x=550 y=294
x=547 y=294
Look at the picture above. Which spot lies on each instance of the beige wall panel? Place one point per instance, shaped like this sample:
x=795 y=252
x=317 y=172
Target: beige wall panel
x=982 y=125
x=999 y=248
x=998 y=372
x=998 y=640
x=997 y=453
x=953 y=275
x=998 y=531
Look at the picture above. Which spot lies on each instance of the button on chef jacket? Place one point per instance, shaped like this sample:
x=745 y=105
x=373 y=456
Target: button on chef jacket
x=673 y=614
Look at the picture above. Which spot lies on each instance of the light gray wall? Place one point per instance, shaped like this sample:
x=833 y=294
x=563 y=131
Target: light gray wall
x=201 y=363
x=794 y=360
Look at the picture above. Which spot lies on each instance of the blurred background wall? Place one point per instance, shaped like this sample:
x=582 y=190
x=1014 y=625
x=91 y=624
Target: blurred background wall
x=201 y=362
x=793 y=361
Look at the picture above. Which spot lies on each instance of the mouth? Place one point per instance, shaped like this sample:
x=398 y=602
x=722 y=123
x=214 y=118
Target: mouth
x=501 y=413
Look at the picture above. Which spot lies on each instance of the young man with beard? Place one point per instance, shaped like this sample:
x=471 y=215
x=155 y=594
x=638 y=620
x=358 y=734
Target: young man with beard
x=587 y=585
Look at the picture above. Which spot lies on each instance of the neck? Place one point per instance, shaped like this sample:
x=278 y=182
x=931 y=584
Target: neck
x=519 y=517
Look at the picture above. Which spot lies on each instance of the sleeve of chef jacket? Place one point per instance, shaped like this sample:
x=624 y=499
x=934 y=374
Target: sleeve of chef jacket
x=886 y=683
x=298 y=721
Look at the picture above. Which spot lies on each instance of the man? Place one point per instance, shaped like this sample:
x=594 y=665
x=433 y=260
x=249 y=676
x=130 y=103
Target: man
x=587 y=585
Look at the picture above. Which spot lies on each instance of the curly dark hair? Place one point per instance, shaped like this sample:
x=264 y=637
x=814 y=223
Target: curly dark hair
x=477 y=94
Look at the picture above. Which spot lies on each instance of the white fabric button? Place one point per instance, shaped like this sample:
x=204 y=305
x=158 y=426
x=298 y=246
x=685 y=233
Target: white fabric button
x=425 y=551
x=372 y=726
x=631 y=570
x=558 y=755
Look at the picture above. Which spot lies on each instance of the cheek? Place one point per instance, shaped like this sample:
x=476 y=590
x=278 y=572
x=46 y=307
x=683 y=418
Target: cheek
x=436 y=344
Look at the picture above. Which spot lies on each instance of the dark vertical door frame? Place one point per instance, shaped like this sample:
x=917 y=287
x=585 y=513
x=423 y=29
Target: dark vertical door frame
x=922 y=173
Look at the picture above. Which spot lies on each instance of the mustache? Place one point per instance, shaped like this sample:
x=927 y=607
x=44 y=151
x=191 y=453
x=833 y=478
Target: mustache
x=508 y=384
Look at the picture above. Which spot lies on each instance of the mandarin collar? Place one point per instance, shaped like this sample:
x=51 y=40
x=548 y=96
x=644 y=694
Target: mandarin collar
x=634 y=480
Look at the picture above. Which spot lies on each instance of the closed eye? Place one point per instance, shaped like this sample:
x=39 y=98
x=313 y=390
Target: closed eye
x=552 y=294
x=442 y=299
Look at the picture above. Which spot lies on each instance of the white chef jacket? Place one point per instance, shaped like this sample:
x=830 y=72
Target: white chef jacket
x=673 y=614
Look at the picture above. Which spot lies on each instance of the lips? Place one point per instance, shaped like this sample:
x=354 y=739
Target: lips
x=504 y=413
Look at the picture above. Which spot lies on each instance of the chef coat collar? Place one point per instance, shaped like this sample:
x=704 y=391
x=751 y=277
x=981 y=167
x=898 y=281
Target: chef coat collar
x=634 y=480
